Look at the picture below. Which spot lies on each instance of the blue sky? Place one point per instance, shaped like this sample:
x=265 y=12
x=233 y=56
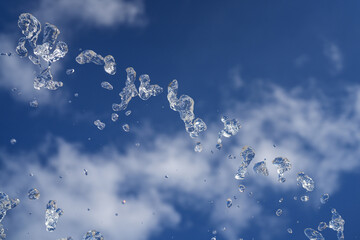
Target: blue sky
x=288 y=71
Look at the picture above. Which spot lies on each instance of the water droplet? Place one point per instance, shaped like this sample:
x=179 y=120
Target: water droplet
x=70 y=71
x=289 y=230
x=260 y=168
x=126 y=127
x=109 y=65
x=34 y=103
x=13 y=141
x=324 y=198
x=337 y=224
x=304 y=198
x=322 y=226
x=146 y=90
x=114 y=117
x=93 y=235
x=248 y=155
x=241 y=188
x=52 y=215
x=107 y=85
x=185 y=106
x=198 y=147
x=279 y=212
x=283 y=165
x=33 y=194
x=313 y=235
x=305 y=181
x=100 y=125
x=228 y=202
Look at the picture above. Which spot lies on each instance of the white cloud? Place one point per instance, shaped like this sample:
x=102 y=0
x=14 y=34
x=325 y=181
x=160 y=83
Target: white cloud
x=93 y=12
x=136 y=176
x=334 y=54
x=235 y=77
x=316 y=141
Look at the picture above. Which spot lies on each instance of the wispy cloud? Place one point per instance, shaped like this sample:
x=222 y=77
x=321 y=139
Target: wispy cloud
x=94 y=12
x=235 y=77
x=334 y=54
x=305 y=130
x=112 y=177
x=316 y=141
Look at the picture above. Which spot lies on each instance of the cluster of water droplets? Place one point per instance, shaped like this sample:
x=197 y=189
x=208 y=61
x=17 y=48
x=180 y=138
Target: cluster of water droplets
x=283 y=165
x=6 y=204
x=231 y=128
x=52 y=215
x=146 y=90
x=260 y=168
x=33 y=194
x=248 y=155
x=129 y=91
x=337 y=224
x=93 y=235
x=2 y=232
x=89 y=56
x=99 y=124
x=49 y=51
x=185 y=106
x=52 y=50
x=305 y=181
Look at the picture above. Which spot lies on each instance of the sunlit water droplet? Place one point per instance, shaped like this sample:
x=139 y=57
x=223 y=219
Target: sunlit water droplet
x=114 y=117
x=305 y=181
x=304 y=198
x=324 y=198
x=322 y=226
x=70 y=71
x=279 y=212
x=126 y=127
x=107 y=85
x=100 y=125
